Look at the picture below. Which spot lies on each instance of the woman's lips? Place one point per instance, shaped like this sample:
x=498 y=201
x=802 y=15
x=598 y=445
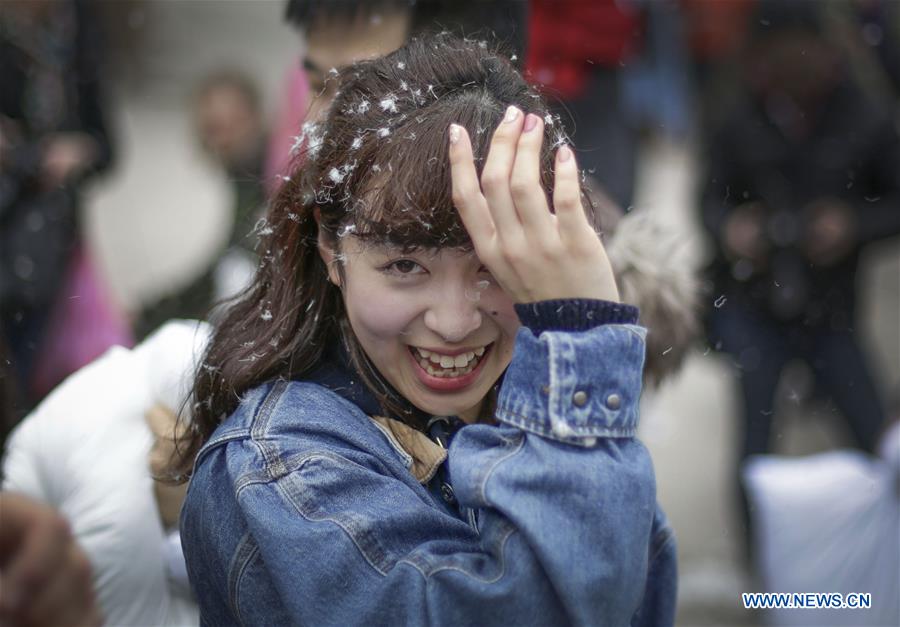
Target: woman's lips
x=447 y=384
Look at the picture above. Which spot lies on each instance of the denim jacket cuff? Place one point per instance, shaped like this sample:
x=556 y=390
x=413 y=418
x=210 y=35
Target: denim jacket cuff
x=574 y=314
x=575 y=386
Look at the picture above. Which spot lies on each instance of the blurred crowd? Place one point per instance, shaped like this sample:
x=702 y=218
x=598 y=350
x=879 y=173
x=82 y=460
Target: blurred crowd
x=793 y=111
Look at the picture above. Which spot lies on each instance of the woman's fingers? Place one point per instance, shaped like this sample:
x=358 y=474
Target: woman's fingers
x=495 y=177
x=466 y=191
x=525 y=180
x=533 y=254
x=474 y=210
x=571 y=220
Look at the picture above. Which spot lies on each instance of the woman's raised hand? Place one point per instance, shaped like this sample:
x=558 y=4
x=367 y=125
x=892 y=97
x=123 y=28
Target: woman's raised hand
x=533 y=254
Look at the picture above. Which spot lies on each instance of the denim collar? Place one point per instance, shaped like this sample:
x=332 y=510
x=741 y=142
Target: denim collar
x=336 y=373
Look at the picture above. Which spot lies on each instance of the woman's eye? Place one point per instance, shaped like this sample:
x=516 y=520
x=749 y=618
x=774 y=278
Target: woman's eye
x=404 y=267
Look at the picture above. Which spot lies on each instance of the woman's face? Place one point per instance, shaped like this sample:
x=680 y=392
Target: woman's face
x=434 y=323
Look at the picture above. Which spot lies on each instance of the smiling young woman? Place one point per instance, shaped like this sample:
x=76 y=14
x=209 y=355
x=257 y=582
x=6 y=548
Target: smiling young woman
x=433 y=322
x=423 y=411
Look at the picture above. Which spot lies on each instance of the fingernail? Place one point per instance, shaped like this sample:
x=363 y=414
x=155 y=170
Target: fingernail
x=531 y=121
x=564 y=153
x=511 y=114
x=454 y=133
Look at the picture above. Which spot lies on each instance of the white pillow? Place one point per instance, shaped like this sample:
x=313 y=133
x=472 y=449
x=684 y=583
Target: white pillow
x=84 y=450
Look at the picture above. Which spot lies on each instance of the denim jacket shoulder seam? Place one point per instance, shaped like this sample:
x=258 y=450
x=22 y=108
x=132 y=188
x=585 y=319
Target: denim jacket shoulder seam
x=291 y=464
x=259 y=424
x=243 y=432
x=224 y=439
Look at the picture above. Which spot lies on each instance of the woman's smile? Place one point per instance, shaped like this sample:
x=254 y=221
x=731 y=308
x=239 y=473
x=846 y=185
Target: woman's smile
x=448 y=371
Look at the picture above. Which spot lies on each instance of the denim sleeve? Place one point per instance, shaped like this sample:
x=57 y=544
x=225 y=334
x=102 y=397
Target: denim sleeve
x=561 y=493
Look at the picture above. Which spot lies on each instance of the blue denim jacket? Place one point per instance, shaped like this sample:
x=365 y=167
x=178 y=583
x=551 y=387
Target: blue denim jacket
x=304 y=509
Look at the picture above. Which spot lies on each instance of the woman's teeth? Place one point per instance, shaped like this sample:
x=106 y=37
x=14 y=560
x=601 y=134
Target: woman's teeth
x=446 y=366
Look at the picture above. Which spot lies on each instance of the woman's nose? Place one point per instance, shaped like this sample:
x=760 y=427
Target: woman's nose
x=453 y=317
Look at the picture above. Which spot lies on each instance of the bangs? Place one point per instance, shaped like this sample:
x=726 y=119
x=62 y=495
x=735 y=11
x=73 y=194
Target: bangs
x=381 y=167
x=404 y=173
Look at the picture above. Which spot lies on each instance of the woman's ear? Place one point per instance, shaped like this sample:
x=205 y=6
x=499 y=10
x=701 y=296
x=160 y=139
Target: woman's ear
x=326 y=250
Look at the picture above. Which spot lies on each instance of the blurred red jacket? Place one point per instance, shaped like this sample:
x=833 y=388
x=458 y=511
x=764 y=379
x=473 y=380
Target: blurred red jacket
x=567 y=37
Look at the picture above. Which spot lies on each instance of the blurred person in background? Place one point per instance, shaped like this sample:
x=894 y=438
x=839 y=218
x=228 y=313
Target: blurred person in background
x=55 y=314
x=576 y=52
x=657 y=94
x=230 y=126
x=715 y=34
x=801 y=175
x=337 y=33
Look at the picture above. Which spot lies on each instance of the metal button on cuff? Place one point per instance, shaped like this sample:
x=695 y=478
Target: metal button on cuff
x=580 y=398
x=613 y=401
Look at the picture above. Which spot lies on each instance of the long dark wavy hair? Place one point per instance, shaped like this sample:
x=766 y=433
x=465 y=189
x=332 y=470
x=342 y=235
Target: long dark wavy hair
x=376 y=168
